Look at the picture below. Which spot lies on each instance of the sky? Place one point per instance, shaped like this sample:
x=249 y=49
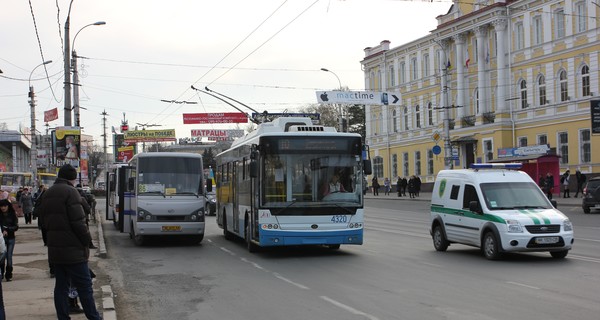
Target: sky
x=264 y=53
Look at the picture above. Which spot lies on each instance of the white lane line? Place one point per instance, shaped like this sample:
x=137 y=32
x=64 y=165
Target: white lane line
x=256 y=265
x=586 y=239
x=227 y=250
x=349 y=308
x=583 y=258
x=278 y=276
x=523 y=285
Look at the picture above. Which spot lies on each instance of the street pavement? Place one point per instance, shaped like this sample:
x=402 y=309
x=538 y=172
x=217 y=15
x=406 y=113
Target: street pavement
x=30 y=293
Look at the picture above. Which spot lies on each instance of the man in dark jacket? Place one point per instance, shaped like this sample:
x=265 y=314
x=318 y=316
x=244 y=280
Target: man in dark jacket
x=68 y=240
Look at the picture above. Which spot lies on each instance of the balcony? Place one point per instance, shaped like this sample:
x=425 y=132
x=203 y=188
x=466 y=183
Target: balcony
x=468 y=121
x=489 y=117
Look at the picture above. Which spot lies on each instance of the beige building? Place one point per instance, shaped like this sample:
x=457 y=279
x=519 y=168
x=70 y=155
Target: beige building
x=504 y=74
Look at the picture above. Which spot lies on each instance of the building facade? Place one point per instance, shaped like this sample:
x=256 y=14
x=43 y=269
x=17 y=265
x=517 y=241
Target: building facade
x=504 y=74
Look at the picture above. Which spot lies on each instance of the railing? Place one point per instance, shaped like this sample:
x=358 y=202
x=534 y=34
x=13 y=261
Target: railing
x=489 y=117
x=468 y=121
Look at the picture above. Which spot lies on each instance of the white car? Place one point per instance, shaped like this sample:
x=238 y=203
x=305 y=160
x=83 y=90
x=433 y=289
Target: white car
x=498 y=210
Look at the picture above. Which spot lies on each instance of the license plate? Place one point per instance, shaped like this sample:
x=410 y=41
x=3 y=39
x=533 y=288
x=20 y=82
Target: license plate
x=546 y=240
x=171 y=228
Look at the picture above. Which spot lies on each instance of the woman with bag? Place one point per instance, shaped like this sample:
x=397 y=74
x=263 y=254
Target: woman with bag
x=9 y=223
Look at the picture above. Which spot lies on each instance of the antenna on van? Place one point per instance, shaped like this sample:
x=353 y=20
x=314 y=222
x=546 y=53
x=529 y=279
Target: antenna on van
x=208 y=92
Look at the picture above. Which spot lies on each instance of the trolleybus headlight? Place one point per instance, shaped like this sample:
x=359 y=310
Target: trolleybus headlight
x=351 y=225
x=148 y=217
x=275 y=226
x=194 y=217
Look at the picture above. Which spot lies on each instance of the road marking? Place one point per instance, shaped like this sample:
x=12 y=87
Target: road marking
x=349 y=308
x=523 y=285
x=278 y=276
x=227 y=250
x=584 y=258
x=256 y=265
x=585 y=239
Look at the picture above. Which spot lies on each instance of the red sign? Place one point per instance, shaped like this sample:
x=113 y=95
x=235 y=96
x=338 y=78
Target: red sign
x=50 y=115
x=207 y=118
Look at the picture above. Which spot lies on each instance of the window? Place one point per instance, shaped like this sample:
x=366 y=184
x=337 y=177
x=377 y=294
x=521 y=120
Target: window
x=564 y=90
x=426 y=65
x=522 y=141
x=469 y=195
x=379 y=83
x=580 y=17
x=430 y=113
x=537 y=30
x=488 y=149
x=563 y=147
x=394 y=165
x=519 y=36
x=476 y=101
x=559 y=24
x=372 y=80
x=542 y=90
x=378 y=166
x=417 y=163
x=523 y=93
x=395 y=120
x=414 y=69
x=405 y=164
x=406 y=127
x=585 y=81
x=585 y=153
x=475 y=55
x=430 y=162
x=418 y=116
x=402 y=72
x=392 y=77
x=542 y=139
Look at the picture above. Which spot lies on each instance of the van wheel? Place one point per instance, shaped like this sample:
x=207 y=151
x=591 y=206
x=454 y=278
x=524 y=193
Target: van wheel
x=440 y=243
x=138 y=239
x=226 y=233
x=559 y=254
x=490 y=246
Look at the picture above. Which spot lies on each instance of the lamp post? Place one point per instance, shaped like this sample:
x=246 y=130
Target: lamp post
x=341 y=121
x=76 y=74
x=33 y=151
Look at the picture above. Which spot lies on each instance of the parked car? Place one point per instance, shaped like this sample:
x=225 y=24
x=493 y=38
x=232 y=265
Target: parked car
x=211 y=203
x=591 y=195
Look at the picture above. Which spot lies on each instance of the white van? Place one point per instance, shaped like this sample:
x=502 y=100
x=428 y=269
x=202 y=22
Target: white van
x=498 y=209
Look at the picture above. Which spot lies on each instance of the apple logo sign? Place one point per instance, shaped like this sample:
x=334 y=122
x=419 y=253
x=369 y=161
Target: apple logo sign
x=324 y=96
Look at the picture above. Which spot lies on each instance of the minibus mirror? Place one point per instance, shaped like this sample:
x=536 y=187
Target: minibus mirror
x=253 y=169
x=131 y=184
x=367 y=168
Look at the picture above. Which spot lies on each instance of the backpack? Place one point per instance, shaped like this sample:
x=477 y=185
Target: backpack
x=562 y=179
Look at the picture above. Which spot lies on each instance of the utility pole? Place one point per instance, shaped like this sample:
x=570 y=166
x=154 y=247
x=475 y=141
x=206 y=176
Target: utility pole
x=104 y=114
x=67 y=54
x=33 y=137
x=75 y=89
x=447 y=147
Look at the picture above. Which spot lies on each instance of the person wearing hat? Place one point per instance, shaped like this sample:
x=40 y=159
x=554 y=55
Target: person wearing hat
x=9 y=224
x=67 y=240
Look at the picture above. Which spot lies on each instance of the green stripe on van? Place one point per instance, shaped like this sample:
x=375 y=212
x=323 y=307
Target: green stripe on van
x=531 y=215
x=539 y=213
x=466 y=214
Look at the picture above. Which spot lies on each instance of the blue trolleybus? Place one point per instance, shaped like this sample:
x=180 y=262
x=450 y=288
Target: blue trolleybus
x=293 y=183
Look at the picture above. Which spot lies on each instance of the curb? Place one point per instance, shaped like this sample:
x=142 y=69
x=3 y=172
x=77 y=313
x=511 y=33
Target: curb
x=108 y=303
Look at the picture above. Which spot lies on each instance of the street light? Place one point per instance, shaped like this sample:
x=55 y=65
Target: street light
x=341 y=121
x=76 y=74
x=33 y=152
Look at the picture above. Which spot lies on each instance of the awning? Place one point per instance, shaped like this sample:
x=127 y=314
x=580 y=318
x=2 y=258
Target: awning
x=523 y=158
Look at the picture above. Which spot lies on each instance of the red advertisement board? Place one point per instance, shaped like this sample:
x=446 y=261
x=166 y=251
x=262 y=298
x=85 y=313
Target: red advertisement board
x=208 y=118
x=50 y=115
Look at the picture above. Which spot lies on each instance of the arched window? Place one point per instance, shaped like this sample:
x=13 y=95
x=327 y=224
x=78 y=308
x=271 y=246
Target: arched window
x=418 y=116
x=585 y=81
x=523 y=94
x=563 y=85
x=542 y=90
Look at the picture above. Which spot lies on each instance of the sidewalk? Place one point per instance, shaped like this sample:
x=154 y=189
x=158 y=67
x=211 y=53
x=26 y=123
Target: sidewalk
x=30 y=293
x=426 y=196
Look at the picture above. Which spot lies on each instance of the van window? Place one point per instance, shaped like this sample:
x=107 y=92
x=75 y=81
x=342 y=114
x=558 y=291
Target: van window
x=454 y=192
x=470 y=195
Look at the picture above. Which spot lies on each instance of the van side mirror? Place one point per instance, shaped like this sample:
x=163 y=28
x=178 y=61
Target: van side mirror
x=209 y=183
x=554 y=203
x=475 y=207
x=253 y=169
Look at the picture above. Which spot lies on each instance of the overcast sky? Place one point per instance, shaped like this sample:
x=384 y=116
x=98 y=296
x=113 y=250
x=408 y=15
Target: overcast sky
x=265 y=53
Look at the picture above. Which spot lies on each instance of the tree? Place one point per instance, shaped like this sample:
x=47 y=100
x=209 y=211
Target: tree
x=357 y=122
x=208 y=157
x=95 y=160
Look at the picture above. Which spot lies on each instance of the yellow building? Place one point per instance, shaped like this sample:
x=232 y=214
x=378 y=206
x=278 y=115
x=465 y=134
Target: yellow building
x=504 y=74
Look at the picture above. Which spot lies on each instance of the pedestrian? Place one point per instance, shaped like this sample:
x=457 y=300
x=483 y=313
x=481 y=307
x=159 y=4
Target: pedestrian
x=26 y=203
x=417 y=185
x=37 y=205
x=68 y=243
x=399 y=186
x=411 y=186
x=404 y=184
x=375 y=186
x=2 y=255
x=387 y=186
x=10 y=224
x=365 y=186
x=549 y=185
x=580 y=177
x=564 y=181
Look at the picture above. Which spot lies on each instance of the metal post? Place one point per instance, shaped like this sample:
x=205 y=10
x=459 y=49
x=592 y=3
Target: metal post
x=75 y=89
x=341 y=118
x=33 y=152
x=447 y=146
x=67 y=54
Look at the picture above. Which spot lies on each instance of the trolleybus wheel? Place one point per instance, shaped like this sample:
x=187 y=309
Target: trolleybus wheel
x=252 y=247
x=226 y=233
x=137 y=238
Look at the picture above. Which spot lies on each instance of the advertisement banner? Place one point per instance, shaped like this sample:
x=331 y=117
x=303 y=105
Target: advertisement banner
x=67 y=144
x=123 y=150
x=150 y=135
x=210 y=118
x=595 y=108
x=51 y=115
x=315 y=117
x=223 y=133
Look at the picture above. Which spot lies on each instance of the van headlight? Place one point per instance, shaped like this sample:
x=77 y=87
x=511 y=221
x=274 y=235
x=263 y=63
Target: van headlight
x=514 y=226
x=568 y=226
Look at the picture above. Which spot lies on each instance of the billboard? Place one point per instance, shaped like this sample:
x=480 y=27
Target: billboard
x=50 y=115
x=66 y=143
x=210 y=118
x=123 y=150
x=595 y=106
x=150 y=135
x=222 y=133
x=359 y=97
